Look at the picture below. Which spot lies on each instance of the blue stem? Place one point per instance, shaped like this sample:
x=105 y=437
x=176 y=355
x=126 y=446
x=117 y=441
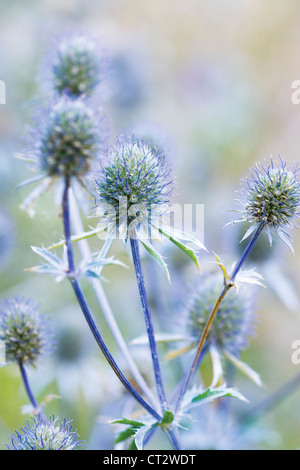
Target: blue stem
x=27 y=386
x=247 y=251
x=86 y=312
x=175 y=396
x=148 y=320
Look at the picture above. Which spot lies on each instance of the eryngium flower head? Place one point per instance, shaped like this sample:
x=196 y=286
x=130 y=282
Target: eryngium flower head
x=68 y=140
x=27 y=334
x=76 y=65
x=134 y=182
x=271 y=197
x=55 y=434
x=233 y=322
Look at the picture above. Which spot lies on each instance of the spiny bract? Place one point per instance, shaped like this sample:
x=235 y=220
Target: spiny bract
x=42 y=435
x=26 y=333
x=233 y=322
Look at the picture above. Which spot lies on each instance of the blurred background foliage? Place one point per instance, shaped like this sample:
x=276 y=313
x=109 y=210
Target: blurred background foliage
x=212 y=80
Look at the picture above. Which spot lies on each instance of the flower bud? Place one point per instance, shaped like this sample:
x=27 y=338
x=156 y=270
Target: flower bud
x=68 y=139
x=233 y=322
x=25 y=332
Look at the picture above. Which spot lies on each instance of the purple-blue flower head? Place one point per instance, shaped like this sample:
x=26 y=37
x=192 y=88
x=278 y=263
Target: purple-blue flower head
x=75 y=65
x=39 y=434
x=136 y=173
x=235 y=319
x=27 y=334
x=271 y=197
x=68 y=139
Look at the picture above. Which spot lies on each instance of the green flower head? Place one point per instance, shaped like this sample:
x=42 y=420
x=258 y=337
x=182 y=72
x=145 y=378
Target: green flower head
x=26 y=333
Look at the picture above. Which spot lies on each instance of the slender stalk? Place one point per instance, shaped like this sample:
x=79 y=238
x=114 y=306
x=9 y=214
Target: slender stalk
x=200 y=345
x=226 y=288
x=106 y=309
x=247 y=251
x=85 y=309
x=38 y=410
x=174 y=438
x=148 y=320
x=27 y=386
x=178 y=389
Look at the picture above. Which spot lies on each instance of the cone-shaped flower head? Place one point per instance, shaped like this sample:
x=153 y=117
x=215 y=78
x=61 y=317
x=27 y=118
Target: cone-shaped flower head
x=42 y=435
x=134 y=183
x=68 y=139
x=26 y=333
x=76 y=65
x=233 y=322
x=271 y=197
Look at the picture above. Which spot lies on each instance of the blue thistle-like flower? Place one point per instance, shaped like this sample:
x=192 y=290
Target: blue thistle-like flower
x=75 y=65
x=232 y=325
x=65 y=141
x=271 y=197
x=69 y=139
x=136 y=178
x=40 y=434
x=26 y=333
x=128 y=88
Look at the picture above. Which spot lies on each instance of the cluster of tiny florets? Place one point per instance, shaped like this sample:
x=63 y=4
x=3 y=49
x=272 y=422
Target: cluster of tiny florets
x=76 y=66
x=40 y=434
x=233 y=322
x=26 y=333
x=68 y=140
x=272 y=195
x=137 y=174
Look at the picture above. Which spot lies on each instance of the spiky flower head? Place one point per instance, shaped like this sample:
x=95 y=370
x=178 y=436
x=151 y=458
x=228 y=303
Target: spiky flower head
x=135 y=182
x=26 y=333
x=75 y=65
x=234 y=321
x=271 y=197
x=68 y=139
x=54 y=434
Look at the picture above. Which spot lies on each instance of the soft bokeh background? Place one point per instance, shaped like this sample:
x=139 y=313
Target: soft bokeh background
x=213 y=79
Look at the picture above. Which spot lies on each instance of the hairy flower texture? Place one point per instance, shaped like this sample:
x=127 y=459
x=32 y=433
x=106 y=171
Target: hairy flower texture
x=69 y=140
x=133 y=185
x=271 y=197
x=234 y=321
x=64 y=142
x=75 y=65
x=40 y=434
x=27 y=334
